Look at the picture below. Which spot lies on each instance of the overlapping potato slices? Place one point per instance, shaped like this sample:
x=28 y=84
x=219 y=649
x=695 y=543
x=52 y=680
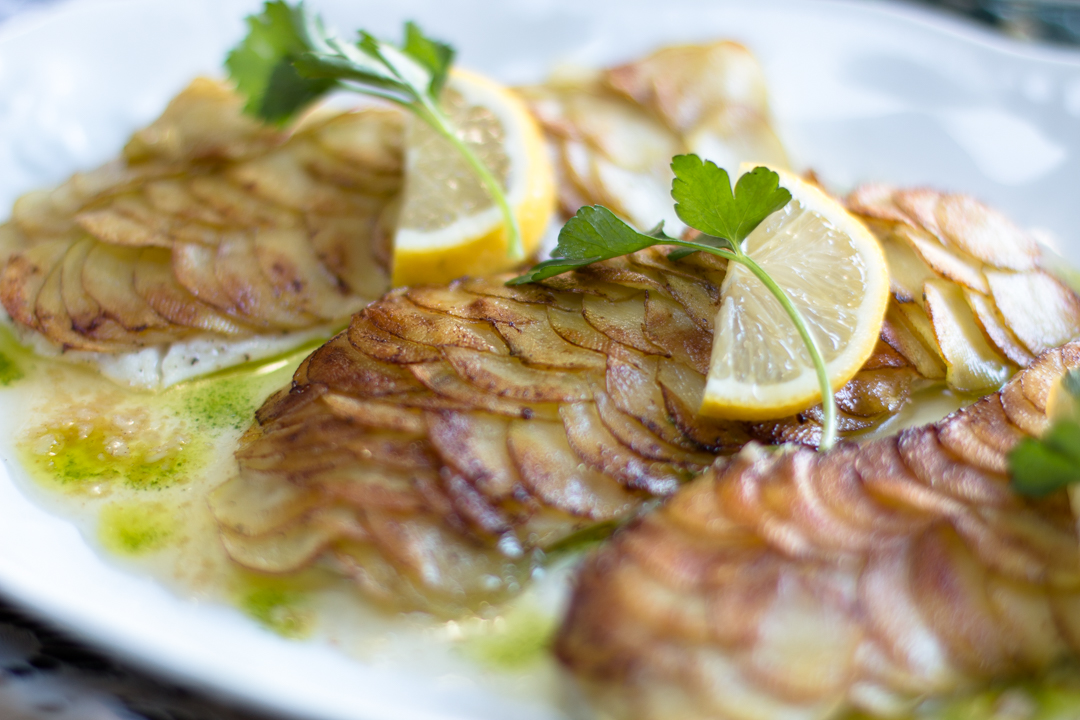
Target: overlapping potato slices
x=971 y=297
x=212 y=228
x=453 y=431
x=614 y=132
x=805 y=585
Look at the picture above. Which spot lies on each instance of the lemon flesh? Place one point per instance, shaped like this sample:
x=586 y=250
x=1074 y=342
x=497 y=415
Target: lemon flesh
x=834 y=272
x=449 y=225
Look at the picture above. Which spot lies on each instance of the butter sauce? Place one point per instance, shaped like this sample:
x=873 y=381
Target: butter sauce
x=132 y=470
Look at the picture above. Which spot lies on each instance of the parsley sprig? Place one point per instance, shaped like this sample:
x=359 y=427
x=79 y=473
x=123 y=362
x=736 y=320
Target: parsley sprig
x=704 y=200
x=1044 y=465
x=290 y=59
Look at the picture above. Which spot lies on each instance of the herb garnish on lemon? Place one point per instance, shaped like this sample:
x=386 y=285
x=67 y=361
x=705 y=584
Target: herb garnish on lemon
x=803 y=300
x=479 y=187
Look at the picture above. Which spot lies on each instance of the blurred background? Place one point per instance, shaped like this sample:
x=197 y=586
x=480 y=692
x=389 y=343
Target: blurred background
x=1054 y=21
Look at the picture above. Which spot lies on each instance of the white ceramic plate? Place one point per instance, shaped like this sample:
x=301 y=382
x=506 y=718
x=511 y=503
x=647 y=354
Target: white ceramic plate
x=861 y=92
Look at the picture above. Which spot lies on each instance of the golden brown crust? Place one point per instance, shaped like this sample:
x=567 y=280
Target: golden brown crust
x=866 y=577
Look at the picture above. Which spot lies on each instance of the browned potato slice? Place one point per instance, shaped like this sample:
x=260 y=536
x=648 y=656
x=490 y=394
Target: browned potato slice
x=440 y=378
x=173 y=196
x=683 y=389
x=12 y=240
x=155 y=282
x=36 y=214
x=908 y=272
x=629 y=138
x=108 y=275
x=24 y=275
x=346 y=247
x=946 y=263
x=737 y=133
x=296 y=276
x=551 y=471
x=985 y=234
x=973 y=366
x=236 y=268
x=113 y=226
x=280 y=178
x=632 y=433
x=237 y=207
x=593 y=442
x=571 y=326
x=193 y=266
x=295 y=546
x=994 y=326
x=633 y=388
x=339 y=365
x=622 y=321
x=258 y=503
x=686 y=84
x=701 y=302
x=204 y=122
x=1037 y=307
x=397 y=315
x=370 y=139
x=372 y=340
x=383 y=415
x=875 y=201
x=53 y=318
x=918 y=322
x=670 y=328
x=476 y=445
x=510 y=378
x=901 y=336
x=641 y=196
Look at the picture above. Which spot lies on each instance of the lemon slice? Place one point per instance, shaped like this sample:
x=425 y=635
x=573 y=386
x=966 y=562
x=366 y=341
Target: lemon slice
x=834 y=271
x=449 y=225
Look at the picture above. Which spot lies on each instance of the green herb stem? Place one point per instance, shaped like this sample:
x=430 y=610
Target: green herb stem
x=828 y=401
x=442 y=125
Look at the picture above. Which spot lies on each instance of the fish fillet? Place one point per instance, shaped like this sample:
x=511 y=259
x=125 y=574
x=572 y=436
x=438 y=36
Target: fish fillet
x=453 y=433
x=794 y=584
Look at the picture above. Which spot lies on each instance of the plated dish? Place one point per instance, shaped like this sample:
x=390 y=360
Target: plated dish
x=485 y=695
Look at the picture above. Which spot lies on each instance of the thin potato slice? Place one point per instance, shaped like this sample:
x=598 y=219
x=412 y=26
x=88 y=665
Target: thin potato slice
x=108 y=275
x=295 y=546
x=24 y=275
x=986 y=234
x=156 y=284
x=551 y=471
x=298 y=279
x=1037 y=307
x=973 y=366
x=510 y=378
x=994 y=326
x=944 y=262
x=902 y=337
x=258 y=503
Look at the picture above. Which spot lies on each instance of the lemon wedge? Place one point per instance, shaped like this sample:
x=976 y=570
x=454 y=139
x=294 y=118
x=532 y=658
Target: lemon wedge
x=449 y=225
x=835 y=273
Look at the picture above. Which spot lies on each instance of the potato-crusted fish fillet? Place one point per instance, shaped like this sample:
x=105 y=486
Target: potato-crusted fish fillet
x=795 y=584
x=214 y=237
x=452 y=431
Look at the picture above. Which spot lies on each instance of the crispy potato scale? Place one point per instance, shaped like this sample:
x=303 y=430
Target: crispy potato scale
x=460 y=429
x=210 y=225
x=798 y=584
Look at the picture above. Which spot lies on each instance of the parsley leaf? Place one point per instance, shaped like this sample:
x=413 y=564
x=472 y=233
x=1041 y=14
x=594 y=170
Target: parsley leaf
x=262 y=64
x=1047 y=464
x=592 y=235
x=704 y=200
